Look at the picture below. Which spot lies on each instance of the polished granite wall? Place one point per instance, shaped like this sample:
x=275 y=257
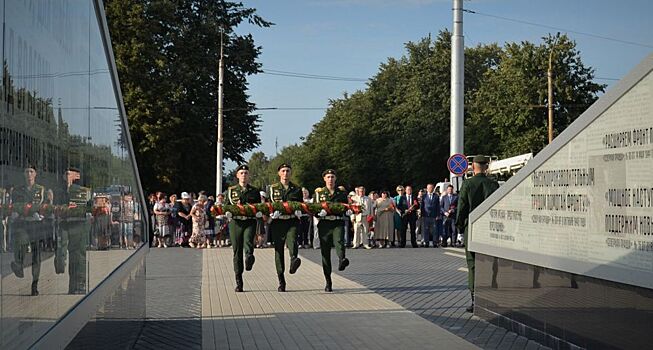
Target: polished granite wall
x=563 y=310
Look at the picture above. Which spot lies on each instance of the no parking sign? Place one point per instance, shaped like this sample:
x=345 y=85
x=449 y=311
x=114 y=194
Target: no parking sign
x=457 y=164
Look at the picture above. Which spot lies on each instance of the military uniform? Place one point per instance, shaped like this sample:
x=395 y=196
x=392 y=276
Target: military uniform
x=331 y=230
x=73 y=237
x=27 y=231
x=284 y=229
x=472 y=193
x=242 y=229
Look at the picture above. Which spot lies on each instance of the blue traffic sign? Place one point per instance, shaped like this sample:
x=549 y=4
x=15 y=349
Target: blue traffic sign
x=457 y=164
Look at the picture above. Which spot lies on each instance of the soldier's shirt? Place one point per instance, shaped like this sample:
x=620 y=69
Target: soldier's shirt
x=472 y=193
x=248 y=194
x=24 y=194
x=278 y=193
x=322 y=194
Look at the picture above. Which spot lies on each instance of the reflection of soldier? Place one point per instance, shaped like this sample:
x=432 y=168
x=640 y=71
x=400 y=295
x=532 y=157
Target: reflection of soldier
x=27 y=226
x=4 y=202
x=127 y=222
x=73 y=233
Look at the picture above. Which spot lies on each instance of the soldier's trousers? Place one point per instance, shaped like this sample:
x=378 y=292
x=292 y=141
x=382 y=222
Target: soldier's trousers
x=78 y=236
x=242 y=234
x=471 y=265
x=27 y=234
x=284 y=232
x=332 y=234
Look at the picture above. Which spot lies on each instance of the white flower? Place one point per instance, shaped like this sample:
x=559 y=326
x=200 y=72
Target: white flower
x=229 y=215
x=259 y=214
x=298 y=213
x=348 y=213
x=275 y=214
x=322 y=213
x=14 y=215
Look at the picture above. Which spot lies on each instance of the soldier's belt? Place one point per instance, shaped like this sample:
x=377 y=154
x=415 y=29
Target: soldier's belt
x=332 y=217
x=286 y=217
x=240 y=217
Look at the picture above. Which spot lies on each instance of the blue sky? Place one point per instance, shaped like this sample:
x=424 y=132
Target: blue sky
x=351 y=38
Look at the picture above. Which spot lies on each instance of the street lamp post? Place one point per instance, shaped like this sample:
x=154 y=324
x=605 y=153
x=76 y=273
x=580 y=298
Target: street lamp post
x=218 y=178
x=549 y=75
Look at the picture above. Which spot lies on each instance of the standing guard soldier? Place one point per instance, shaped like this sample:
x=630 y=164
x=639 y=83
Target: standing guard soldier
x=242 y=228
x=284 y=228
x=74 y=231
x=472 y=193
x=331 y=228
x=27 y=229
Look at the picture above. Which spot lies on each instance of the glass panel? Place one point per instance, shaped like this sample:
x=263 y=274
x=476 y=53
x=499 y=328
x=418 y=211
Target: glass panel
x=68 y=214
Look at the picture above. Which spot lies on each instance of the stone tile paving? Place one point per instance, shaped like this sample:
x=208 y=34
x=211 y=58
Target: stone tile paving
x=430 y=282
x=305 y=317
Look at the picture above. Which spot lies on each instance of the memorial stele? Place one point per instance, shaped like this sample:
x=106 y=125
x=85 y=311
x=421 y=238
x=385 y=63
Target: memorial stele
x=584 y=204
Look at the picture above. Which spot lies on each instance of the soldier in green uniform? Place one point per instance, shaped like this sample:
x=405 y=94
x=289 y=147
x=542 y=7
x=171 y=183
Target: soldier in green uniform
x=27 y=229
x=74 y=231
x=472 y=193
x=242 y=228
x=284 y=227
x=331 y=228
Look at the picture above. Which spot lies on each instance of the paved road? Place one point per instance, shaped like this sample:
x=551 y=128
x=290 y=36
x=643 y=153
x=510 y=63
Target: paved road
x=387 y=299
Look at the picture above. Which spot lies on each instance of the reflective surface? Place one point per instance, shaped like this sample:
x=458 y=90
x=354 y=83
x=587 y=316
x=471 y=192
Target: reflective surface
x=580 y=310
x=70 y=205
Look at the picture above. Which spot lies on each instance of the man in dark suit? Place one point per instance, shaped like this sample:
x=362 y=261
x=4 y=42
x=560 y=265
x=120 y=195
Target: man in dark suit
x=448 y=203
x=408 y=206
x=430 y=212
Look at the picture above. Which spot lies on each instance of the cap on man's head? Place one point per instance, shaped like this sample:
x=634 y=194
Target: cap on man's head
x=73 y=169
x=284 y=165
x=481 y=159
x=185 y=195
x=31 y=166
x=242 y=167
x=328 y=172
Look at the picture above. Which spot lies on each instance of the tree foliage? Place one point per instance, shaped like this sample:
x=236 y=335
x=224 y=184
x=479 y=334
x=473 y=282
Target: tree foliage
x=167 y=56
x=396 y=131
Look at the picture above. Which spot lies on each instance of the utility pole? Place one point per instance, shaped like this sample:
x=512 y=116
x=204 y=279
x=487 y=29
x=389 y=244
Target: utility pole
x=218 y=178
x=457 y=81
x=549 y=75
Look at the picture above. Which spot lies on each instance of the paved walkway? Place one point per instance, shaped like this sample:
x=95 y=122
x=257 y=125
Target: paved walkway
x=386 y=299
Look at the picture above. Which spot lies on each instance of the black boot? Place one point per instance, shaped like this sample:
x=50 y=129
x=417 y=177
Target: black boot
x=344 y=262
x=328 y=286
x=17 y=269
x=282 y=283
x=249 y=262
x=35 y=289
x=471 y=307
x=295 y=262
x=239 y=283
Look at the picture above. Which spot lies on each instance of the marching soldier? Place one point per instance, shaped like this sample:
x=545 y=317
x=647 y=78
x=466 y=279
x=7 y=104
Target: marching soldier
x=331 y=227
x=242 y=228
x=284 y=227
x=74 y=232
x=27 y=229
x=472 y=193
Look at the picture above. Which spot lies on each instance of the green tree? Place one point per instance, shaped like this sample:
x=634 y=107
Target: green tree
x=513 y=95
x=167 y=58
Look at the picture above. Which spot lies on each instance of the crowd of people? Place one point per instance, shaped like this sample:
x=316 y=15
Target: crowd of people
x=426 y=217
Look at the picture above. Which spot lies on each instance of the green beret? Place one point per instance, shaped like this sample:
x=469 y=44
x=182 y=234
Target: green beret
x=328 y=172
x=242 y=167
x=284 y=165
x=481 y=159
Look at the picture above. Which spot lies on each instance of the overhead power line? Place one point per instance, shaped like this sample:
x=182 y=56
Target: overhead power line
x=310 y=76
x=597 y=36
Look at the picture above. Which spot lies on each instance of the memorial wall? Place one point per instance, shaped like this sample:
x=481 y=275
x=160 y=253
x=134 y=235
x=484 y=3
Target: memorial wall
x=71 y=206
x=564 y=250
